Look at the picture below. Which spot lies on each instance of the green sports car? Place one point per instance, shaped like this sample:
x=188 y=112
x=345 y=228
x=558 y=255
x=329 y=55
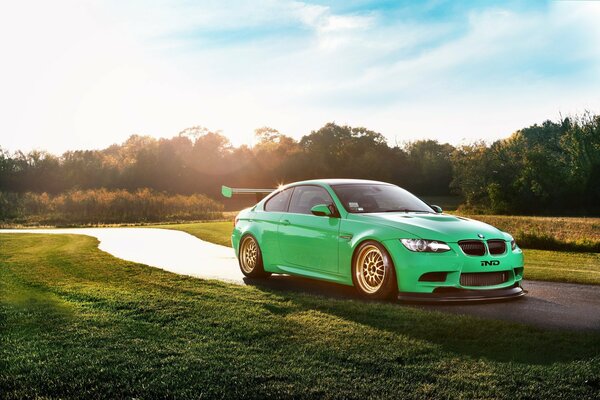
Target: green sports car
x=377 y=237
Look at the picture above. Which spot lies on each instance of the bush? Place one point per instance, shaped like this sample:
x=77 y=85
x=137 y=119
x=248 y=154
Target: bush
x=101 y=206
x=543 y=241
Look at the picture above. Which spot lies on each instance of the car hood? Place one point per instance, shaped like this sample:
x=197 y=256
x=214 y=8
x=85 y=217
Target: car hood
x=444 y=227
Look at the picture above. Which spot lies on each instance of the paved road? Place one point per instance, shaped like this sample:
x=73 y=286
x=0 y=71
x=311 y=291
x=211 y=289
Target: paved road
x=548 y=304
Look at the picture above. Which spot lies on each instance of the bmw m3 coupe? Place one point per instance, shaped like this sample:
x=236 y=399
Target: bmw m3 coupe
x=377 y=237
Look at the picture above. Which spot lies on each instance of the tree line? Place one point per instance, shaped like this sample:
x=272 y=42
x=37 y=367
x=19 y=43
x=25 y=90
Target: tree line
x=553 y=167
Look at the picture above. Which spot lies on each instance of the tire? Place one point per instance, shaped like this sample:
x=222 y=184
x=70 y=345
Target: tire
x=373 y=272
x=250 y=258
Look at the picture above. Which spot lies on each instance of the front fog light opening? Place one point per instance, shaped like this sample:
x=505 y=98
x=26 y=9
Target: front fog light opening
x=425 y=246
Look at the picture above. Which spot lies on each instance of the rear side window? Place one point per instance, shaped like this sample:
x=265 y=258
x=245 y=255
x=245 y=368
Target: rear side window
x=279 y=202
x=306 y=197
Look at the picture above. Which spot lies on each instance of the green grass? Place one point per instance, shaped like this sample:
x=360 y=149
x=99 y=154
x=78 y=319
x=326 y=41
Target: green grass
x=561 y=266
x=540 y=265
x=214 y=232
x=76 y=322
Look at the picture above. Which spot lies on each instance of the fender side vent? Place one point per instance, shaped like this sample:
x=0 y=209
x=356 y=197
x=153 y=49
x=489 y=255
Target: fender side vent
x=433 y=277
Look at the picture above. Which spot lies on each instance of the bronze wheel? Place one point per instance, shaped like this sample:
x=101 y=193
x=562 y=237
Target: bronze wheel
x=250 y=258
x=248 y=254
x=369 y=270
x=373 y=272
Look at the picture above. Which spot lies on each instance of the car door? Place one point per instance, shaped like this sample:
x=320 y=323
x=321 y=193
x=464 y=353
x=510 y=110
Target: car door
x=269 y=219
x=306 y=240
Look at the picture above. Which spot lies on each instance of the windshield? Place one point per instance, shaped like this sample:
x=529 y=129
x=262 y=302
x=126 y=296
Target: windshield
x=373 y=198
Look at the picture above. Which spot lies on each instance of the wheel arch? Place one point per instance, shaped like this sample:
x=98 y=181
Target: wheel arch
x=247 y=227
x=386 y=254
x=242 y=236
x=362 y=240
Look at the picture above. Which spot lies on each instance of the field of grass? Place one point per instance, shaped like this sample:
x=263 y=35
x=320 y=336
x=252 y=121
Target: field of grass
x=101 y=206
x=77 y=322
x=560 y=266
x=542 y=233
x=214 y=232
x=549 y=233
x=542 y=265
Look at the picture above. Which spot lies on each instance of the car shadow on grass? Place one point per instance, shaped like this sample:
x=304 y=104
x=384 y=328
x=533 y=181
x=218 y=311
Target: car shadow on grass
x=456 y=329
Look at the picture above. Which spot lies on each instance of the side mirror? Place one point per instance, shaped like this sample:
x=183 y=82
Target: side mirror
x=321 y=210
x=437 y=209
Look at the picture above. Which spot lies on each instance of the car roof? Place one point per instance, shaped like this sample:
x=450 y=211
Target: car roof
x=335 y=181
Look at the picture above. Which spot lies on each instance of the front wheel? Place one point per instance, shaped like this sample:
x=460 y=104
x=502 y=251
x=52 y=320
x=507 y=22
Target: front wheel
x=373 y=272
x=250 y=258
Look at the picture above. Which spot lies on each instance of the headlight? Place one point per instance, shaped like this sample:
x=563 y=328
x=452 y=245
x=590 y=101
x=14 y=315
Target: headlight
x=513 y=244
x=425 y=246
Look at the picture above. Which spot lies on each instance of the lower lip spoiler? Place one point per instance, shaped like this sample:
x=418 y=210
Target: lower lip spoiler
x=464 y=295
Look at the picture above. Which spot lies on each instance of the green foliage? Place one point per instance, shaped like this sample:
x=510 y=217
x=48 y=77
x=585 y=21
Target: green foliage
x=102 y=206
x=548 y=168
x=430 y=166
x=472 y=173
x=200 y=161
x=76 y=322
x=552 y=168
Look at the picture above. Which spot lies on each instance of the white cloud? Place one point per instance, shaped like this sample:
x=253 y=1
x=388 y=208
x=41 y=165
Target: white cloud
x=87 y=74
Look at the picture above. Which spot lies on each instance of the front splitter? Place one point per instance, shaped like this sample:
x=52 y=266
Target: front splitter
x=464 y=295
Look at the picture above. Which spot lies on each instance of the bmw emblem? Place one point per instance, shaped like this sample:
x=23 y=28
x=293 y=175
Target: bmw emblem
x=480 y=236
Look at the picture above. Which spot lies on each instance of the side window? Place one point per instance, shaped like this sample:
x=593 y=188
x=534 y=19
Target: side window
x=306 y=197
x=279 y=202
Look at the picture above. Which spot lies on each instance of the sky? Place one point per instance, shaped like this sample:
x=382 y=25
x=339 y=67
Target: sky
x=86 y=74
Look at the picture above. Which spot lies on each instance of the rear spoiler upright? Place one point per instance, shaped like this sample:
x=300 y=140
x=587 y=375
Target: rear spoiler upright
x=260 y=193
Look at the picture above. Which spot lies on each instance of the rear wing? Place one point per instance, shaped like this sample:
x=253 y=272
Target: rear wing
x=260 y=193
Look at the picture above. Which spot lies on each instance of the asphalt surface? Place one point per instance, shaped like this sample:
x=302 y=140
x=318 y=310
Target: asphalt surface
x=547 y=304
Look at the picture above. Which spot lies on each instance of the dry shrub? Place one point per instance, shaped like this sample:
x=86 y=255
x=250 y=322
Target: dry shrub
x=101 y=206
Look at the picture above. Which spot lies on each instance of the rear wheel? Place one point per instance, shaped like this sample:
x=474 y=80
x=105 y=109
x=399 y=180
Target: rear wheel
x=373 y=272
x=250 y=258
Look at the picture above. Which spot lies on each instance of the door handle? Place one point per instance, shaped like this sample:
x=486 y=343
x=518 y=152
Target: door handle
x=285 y=222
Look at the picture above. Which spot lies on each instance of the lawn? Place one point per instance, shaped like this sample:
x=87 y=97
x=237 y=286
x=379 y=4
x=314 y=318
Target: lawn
x=542 y=265
x=560 y=266
x=214 y=232
x=77 y=322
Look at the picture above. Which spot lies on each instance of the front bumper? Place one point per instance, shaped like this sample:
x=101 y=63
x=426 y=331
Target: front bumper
x=413 y=270
x=463 y=295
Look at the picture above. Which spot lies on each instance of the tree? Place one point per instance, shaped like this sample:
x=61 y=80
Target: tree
x=430 y=166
